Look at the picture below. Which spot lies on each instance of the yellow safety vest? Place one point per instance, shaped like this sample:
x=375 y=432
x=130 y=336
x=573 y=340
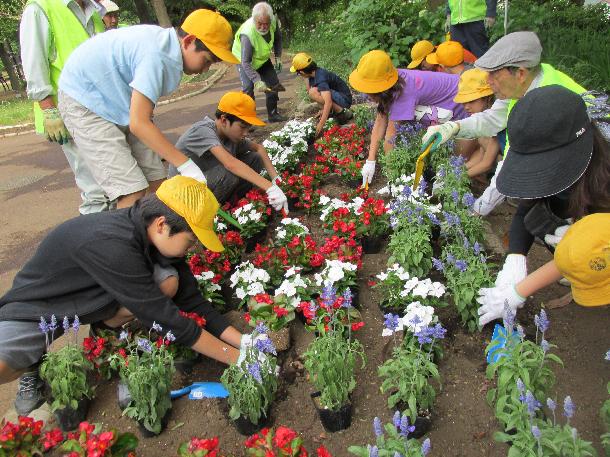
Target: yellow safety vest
x=261 y=49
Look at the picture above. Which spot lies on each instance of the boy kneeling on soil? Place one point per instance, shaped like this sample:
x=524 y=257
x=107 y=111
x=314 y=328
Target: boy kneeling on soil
x=231 y=162
x=325 y=88
x=100 y=267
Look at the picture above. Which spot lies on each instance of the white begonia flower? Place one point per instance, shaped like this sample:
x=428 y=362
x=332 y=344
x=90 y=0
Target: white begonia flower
x=410 y=284
x=384 y=191
x=437 y=289
x=417 y=316
x=421 y=289
x=281 y=234
x=287 y=288
x=335 y=274
x=214 y=287
x=324 y=200
x=387 y=332
x=382 y=276
x=403 y=275
x=240 y=293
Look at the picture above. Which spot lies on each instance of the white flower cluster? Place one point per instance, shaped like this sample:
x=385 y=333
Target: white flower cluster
x=220 y=224
x=333 y=272
x=293 y=280
x=249 y=280
x=205 y=281
x=287 y=146
x=417 y=317
x=247 y=214
x=395 y=188
x=292 y=226
x=328 y=205
x=413 y=287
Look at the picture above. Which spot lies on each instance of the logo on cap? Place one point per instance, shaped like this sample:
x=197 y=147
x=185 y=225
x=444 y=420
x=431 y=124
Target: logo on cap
x=580 y=132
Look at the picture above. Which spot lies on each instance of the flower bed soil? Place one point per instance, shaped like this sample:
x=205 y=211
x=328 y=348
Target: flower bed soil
x=463 y=424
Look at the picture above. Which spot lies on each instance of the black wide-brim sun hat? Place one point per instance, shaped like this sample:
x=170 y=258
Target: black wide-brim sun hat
x=550 y=144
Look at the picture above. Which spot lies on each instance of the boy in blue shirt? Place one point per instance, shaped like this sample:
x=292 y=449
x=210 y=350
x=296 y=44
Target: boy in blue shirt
x=108 y=90
x=325 y=88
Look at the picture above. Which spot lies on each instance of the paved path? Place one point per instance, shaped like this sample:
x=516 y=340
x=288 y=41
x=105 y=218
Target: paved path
x=37 y=189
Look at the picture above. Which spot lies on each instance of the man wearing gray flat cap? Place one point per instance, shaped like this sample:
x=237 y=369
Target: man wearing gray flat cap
x=514 y=68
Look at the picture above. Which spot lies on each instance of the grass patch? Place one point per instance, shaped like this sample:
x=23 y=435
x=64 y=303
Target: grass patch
x=16 y=111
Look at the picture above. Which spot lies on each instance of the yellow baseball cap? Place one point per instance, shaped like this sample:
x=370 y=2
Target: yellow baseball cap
x=448 y=54
x=472 y=86
x=240 y=105
x=419 y=51
x=583 y=258
x=375 y=73
x=213 y=30
x=196 y=203
x=300 y=61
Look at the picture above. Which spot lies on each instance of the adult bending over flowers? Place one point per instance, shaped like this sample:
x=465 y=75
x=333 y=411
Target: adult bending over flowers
x=101 y=267
x=402 y=95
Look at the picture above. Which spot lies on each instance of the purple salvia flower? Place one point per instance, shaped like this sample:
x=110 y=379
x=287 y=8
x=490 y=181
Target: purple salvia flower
x=438 y=332
x=397 y=454
x=423 y=185
x=169 y=336
x=476 y=247
x=406 y=192
x=396 y=419
x=441 y=172
x=405 y=428
x=347 y=298
x=574 y=433
x=461 y=265
x=329 y=294
x=520 y=386
x=391 y=321
x=265 y=345
x=432 y=217
x=53 y=325
x=466 y=243
x=255 y=371
x=373 y=451
x=450 y=257
x=377 y=427
x=43 y=326
x=550 y=403
x=76 y=324
x=508 y=317
x=468 y=200
x=66 y=324
x=542 y=322
x=424 y=336
x=124 y=335
x=536 y=432
x=532 y=404
x=425 y=447
x=145 y=345
x=608 y=355
x=568 y=407
x=455 y=196
x=156 y=327
x=261 y=328
x=438 y=264
x=520 y=332
x=545 y=346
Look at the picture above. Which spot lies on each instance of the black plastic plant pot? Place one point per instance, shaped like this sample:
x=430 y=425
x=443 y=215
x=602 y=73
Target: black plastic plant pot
x=228 y=295
x=422 y=426
x=254 y=240
x=185 y=366
x=353 y=183
x=68 y=419
x=333 y=421
x=164 y=421
x=372 y=244
x=292 y=205
x=247 y=428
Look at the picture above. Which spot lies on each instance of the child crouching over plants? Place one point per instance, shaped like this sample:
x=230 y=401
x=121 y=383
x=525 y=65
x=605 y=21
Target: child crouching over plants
x=325 y=88
x=477 y=96
x=100 y=267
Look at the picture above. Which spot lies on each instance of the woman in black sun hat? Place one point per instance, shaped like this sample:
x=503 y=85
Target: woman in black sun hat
x=558 y=165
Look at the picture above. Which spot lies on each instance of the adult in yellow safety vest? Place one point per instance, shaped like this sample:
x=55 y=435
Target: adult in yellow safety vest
x=514 y=68
x=50 y=30
x=468 y=21
x=253 y=43
x=111 y=18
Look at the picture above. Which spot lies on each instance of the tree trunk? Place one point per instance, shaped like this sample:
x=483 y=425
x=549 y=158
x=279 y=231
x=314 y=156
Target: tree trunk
x=142 y=12
x=161 y=13
x=7 y=61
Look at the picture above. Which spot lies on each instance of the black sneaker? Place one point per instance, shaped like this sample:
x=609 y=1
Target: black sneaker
x=29 y=393
x=344 y=116
x=276 y=117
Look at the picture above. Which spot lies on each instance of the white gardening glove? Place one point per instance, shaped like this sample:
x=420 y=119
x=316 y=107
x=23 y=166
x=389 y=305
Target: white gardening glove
x=261 y=357
x=437 y=185
x=190 y=169
x=368 y=171
x=553 y=240
x=489 y=22
x=447 y=23
x=277 y=199
x=491 y=197
x=514 y=270
x=260 y=86
x=494 y=300
x=440 y=134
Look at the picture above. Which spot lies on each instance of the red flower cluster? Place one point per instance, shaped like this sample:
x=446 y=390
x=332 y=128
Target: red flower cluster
x=197 y=447
x=218 y=262
x=22 y=438
x=284 y=442
x=86 y=443
x=374 y=218
x=343 y=148
x=304 y=186
x=345 y=249
x=200 y=321
x=94 y=348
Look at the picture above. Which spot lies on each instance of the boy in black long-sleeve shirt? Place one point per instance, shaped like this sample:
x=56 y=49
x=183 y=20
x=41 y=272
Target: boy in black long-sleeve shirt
x=100 y=267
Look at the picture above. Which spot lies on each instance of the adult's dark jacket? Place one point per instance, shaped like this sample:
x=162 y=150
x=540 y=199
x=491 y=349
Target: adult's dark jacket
x=93 y=264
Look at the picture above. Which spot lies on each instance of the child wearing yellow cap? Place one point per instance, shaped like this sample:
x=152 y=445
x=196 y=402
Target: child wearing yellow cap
x=419 y=52
x=476 y=95
x=325 y=88
x=108 y=89
x=451 y=57
x=100 y=267
x=402 y=95
x=582 y=257
x=230 y=161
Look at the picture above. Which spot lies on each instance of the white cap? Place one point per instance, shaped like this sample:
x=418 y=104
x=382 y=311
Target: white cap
x=109 y=6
